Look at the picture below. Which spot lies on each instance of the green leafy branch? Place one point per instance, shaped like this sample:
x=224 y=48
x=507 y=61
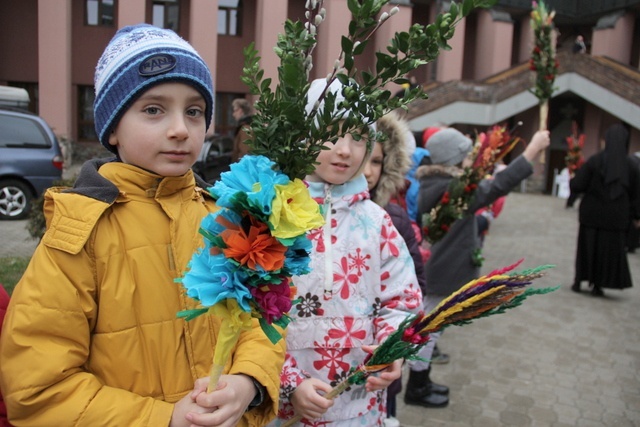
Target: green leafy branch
x=292 y=137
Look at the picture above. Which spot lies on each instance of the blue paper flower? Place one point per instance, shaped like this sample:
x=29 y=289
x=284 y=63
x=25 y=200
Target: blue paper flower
x=297 y=256
x=212 y=278
x=251 y=181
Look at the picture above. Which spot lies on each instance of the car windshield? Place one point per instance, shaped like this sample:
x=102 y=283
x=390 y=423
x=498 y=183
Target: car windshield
x=20 y=132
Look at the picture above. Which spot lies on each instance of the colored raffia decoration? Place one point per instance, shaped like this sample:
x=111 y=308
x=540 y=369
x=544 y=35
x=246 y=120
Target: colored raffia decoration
x=543 y=60
x=492 y=294
x=488 y=149
x=575 y=143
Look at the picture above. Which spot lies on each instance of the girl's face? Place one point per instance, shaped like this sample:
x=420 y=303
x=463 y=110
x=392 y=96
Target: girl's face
x=341 y=162
x=373 y=168
x=163 y=131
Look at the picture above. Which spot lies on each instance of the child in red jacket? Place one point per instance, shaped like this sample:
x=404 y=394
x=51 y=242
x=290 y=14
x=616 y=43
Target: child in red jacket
x=4 y=302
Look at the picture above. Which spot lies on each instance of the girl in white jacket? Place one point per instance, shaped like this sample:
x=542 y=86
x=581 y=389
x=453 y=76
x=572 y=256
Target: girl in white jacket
x=361 y=287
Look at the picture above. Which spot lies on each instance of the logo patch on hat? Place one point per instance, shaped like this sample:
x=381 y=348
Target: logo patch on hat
x=157 y=64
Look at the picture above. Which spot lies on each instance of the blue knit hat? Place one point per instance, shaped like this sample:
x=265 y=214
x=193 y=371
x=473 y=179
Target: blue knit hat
x=136 y=59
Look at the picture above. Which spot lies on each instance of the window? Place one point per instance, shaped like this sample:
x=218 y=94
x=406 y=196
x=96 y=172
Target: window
x=166 y=14
x=21 y=132
x=86 y=123
x=100 y=13
x=229 y=17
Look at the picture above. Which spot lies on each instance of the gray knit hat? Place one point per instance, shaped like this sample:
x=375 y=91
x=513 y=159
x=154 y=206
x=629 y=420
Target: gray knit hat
x=448 y=147
x=137 y=58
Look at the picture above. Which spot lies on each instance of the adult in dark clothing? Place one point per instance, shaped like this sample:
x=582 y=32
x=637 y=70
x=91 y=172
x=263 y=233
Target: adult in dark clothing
x=610 y=186
x=243 y=114
x=633 y=237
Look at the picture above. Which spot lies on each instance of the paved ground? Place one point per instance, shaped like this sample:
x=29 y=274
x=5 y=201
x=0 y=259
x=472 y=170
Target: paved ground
x=561 y=359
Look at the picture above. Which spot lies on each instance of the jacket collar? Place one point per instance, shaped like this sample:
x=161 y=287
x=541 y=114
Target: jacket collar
x=438 y=170
x=104 y=179
x=357 y=186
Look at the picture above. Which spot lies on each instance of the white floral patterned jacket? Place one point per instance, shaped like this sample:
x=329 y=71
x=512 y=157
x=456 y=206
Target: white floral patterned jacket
x=362 y=285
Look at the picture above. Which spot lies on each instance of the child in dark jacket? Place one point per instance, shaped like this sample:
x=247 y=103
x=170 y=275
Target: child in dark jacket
x=452 y=262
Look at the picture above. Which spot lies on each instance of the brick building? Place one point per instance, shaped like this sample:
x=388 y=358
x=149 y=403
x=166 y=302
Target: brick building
x=50 y=48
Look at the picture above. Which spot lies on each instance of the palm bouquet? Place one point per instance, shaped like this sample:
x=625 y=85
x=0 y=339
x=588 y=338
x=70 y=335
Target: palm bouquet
x=489 y=148
x=575 y=143
x=257 y=241
x=543 y=60
x=491 y=294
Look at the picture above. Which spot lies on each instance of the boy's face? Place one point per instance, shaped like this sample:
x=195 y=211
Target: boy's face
x=341 y=162
x=163 y=131
x=373 y=168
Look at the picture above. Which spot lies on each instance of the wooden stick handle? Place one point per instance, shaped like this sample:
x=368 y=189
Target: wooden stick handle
x=214 y=377
x=544 y=118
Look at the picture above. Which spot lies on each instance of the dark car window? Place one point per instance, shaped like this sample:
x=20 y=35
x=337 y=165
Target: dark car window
x=19 y=132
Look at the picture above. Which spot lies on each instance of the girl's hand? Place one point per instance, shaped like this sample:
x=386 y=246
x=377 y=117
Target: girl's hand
x=308 y=400
x=385 y=377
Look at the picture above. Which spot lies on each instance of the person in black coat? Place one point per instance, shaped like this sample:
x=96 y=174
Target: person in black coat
x=610 y=185
x=633 y=237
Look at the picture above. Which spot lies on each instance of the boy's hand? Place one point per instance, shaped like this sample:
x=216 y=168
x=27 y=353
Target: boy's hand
x=222 y=407
x=539 y=142
x=306 y=400
x=385 y=377
x=185 y=406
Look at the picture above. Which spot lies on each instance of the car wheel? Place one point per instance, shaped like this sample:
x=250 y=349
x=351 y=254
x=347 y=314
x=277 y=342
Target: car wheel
x=15 y=199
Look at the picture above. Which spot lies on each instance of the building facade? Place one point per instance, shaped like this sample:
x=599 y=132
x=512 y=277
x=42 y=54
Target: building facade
x=50 y=48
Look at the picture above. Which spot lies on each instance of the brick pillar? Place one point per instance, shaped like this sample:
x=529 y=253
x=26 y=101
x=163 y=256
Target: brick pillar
x=54 y=64
x=131 y=12
x=203 y=36
x=493 y=42
x=270 y=18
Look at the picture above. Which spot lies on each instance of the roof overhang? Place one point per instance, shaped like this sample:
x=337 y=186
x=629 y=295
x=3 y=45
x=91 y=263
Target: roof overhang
x=474 y=113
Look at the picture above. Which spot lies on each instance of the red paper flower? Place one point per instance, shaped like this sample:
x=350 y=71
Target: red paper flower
x=274 y=299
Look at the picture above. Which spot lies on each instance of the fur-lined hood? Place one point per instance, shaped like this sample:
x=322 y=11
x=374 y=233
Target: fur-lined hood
x=438 y=170
x=396 y=161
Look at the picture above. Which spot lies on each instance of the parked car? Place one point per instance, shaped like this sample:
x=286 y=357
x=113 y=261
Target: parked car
x=30 y=161
x=214 y=158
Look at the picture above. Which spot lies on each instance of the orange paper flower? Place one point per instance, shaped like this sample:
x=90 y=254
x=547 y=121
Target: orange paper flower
x=252 y=244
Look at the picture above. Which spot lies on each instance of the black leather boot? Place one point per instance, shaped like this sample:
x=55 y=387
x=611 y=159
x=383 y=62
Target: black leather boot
x=422 y=392
x=434 y=387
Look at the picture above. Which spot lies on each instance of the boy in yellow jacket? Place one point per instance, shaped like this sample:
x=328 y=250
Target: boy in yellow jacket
x=91 y=336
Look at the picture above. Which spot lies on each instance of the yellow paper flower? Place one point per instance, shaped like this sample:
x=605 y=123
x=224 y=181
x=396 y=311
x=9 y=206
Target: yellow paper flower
x=293 y=211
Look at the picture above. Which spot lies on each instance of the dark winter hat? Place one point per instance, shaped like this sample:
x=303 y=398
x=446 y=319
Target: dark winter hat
x=136 y=59
x=448 y=147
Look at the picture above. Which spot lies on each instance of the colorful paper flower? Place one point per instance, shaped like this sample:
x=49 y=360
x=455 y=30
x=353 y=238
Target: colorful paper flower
x=212 y=279
x=250 y=184
x=294 y=210
x=251 y=245
x=274 y=300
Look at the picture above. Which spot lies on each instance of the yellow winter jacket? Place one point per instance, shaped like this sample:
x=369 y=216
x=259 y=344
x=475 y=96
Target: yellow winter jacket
x=91 y=337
